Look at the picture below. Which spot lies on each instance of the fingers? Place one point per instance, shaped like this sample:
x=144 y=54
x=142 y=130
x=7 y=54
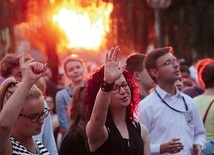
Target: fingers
x=175 y=139
x=38 y=68
x=113 y=54
x=116 y=53
x=22 y=60
x=29 y=61
x=173 y=146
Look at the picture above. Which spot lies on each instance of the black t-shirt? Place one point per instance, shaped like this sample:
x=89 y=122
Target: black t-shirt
x=73 y=144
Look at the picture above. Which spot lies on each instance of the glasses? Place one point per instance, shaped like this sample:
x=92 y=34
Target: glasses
x=169 y=62
x=116 y=88
x=36 y=117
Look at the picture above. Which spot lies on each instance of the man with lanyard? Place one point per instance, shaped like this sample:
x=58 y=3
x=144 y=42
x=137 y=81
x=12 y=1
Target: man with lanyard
x=171 y=117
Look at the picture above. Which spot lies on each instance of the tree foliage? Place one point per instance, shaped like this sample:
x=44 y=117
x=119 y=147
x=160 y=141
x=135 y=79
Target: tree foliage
x=188 y=24
x=190 y=28
x=132 y=26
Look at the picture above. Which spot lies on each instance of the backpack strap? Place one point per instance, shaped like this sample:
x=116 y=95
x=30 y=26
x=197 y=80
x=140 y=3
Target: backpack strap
x=205 y=116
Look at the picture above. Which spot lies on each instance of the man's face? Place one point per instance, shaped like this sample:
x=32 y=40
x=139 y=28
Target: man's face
x=16 y=73
x=168 y=68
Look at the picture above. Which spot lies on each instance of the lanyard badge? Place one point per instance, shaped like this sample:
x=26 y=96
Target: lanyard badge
x=189 y=117
x=188 y=113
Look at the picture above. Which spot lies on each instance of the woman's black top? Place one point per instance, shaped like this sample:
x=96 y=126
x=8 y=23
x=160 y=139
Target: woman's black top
x=117 y=145
x=73 y=144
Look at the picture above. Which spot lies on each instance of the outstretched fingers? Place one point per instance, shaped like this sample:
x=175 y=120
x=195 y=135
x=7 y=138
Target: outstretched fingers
x=113 y=54
x=116 y=53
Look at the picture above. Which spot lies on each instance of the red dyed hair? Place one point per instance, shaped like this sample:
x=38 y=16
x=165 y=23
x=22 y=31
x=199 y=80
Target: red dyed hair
x=93 y=86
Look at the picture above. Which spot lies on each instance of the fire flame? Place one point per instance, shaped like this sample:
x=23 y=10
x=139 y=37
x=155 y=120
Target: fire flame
x=85 y=27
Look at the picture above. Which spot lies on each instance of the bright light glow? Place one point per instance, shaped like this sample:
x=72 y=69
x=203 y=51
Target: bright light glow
x=85 y=27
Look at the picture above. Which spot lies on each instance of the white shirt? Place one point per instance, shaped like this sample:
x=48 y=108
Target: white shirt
x=163 y=123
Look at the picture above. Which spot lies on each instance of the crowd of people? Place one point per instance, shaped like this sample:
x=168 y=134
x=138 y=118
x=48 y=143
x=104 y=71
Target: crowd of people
x=148 y=105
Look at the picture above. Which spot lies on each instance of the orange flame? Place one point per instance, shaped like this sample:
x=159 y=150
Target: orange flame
x=85 y=27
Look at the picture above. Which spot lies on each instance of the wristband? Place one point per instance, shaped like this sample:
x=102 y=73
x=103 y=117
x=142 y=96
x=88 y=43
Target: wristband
x=106 y=86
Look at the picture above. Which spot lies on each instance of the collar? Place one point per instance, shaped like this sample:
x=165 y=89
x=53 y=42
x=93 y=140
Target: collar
x=70 y=90
x=164 y=94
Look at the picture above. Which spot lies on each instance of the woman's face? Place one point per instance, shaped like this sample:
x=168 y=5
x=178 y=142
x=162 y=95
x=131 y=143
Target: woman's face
x=75 y=71
x=50 y=102
x=121 y=93
x=33 y=108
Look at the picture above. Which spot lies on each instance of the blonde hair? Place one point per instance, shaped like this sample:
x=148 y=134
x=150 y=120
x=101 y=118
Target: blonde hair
x=10 y=85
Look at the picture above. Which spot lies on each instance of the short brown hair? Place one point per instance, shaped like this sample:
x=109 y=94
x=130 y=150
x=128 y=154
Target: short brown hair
x=9 y=62
x=134 y=62
x=207 y=74
x=151 y=58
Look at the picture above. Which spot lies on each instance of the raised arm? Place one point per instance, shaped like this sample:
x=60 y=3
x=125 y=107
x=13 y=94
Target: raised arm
x=32 y=71
x=95 y=129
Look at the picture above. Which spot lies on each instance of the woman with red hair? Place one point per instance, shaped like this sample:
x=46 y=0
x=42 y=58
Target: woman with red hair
x=111 y=101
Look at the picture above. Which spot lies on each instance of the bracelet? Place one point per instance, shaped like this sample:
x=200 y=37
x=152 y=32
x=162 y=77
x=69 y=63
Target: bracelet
x=106 y=86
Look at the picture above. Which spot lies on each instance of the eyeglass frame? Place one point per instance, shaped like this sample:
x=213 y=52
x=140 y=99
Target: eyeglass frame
x=41 y=114
x=169 y=62
x=119 y=86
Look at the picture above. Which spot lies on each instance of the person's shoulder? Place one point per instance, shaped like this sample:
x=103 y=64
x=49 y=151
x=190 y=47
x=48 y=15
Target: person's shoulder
x=199 y=97
x=189 y=100
x=188 y=89
x=187 y=97
x=202 y=99
x=199 y=100
x=143 y=128
x=74 y=137
x=73 y=143
x=146 y=103
x=61 y=92
x=148 y=99
x=68 y=139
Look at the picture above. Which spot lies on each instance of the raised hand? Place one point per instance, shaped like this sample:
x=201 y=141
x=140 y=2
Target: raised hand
x=31 y=69
x=112 y=69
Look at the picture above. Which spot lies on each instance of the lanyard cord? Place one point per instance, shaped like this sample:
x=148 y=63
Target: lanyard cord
x=185 y=104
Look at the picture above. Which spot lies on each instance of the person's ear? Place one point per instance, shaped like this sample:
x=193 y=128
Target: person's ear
x=153 y=73
x=136 y=75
